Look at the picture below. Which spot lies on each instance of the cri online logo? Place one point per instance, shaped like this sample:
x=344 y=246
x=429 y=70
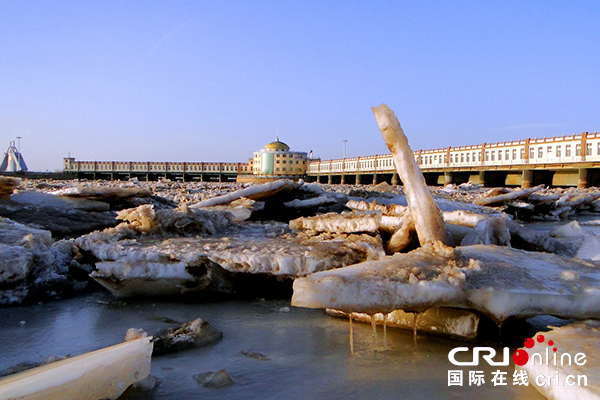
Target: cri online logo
x=520 y=357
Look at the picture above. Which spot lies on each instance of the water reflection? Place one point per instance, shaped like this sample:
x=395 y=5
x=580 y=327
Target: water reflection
x=309 y=351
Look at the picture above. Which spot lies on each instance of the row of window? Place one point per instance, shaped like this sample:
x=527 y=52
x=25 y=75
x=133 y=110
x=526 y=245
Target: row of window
x=291 y=161
x=108 y=167
x=511 y=154
x=283 y=169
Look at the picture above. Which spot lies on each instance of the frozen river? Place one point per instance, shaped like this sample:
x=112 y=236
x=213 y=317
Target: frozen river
x=308 y=351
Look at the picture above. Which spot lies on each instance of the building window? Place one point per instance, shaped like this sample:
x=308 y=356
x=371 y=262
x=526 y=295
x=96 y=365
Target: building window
x=506 y=154
x=598 y=152
x=577 y=149
x=540 y=152
x=568 y=150
x=532 y=153
x=493 y=155
x=487 y=156
x=499 y=155
x=467 y=157
x=514 y=154
x=462 y=157
x=549 y=151
x=588 y=149
x=558 y=151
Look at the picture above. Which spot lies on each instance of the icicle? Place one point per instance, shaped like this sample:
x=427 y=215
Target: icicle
x=351 y=335
x=374 y=326
x=415 y=320
x=385 y=316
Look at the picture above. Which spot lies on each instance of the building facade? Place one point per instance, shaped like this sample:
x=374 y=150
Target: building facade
x=276 y=161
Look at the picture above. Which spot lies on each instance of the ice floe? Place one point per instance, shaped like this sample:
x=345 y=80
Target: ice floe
x=499 y=282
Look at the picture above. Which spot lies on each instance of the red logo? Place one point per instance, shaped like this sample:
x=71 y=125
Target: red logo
x=520 y=357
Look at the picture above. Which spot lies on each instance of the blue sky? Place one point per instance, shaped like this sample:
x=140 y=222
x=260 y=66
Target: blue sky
x=216 y=80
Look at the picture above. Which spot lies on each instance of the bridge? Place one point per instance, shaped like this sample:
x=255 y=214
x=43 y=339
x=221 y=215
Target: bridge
x=150 y=170
x=572 y=160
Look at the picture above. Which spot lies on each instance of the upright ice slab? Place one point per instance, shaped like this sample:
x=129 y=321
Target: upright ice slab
x=429 y=223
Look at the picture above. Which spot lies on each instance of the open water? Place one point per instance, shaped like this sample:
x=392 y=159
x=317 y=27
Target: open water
x=309 y=353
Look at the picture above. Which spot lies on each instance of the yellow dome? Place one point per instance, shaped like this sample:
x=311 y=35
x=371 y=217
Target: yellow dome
x=277 y=145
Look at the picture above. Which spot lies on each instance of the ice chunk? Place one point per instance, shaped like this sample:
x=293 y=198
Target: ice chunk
x=488 y=231
x=404 y=237
x=293 y=257
x=589 y=249
x=144 y=278
x=258 y=192
x=61 y=222
x=15 y=264
x=504 y=198
x=346 y=222
x=427 y=217
x=14 y=233
x=241 y=209
x=463 y=217
x=499 y=282
x=105 y=193
x=524 y=238
x=574 y=200
x=310 y=203
x=183 y=219
x=63 y=202
x=374 y=205
x=101 y=374
x=182 y=265
x=459 y=324
x=390 y=223
x=27 y=260
x=570 y=230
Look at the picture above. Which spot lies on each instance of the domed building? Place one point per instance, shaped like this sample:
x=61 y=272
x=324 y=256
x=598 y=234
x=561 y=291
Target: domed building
x=277 y=161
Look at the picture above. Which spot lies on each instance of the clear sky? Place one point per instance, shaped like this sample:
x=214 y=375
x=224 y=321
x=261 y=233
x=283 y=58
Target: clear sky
x=217 y=80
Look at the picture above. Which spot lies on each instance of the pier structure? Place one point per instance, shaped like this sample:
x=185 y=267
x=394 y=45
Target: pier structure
x=572 y=160
x=153 y=171
x=569 y=160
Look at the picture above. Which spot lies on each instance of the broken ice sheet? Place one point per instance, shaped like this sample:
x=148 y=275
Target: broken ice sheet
x=497 y=281
x=346 y=222
x=100 y=374
x=153 y=266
